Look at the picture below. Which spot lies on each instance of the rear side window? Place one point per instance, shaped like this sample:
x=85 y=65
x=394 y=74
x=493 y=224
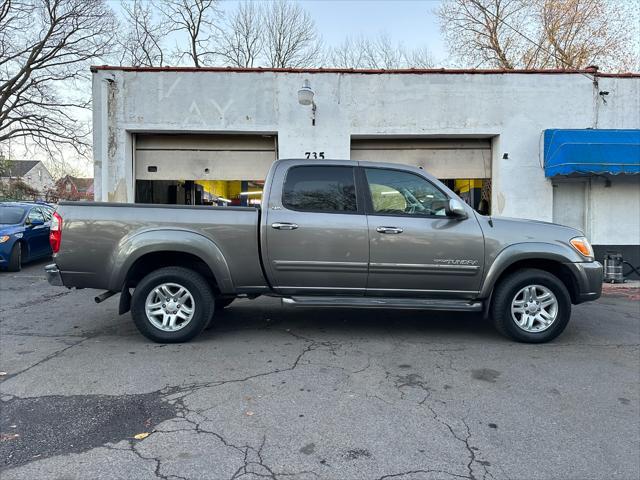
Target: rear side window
x=320 y=189
x=35 y=214
x=48 y=213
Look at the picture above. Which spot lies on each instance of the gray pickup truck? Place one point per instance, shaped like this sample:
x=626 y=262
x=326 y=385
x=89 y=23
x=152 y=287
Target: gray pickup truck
x=331 y=233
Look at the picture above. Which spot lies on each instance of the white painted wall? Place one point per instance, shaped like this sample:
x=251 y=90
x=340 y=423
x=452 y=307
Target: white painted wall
x=614 y=212
x=514 y=108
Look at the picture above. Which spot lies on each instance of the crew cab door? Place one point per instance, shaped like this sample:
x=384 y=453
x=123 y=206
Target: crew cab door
x=416 y=250
x=315 y=230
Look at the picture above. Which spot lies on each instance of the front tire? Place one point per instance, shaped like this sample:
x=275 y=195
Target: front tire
x=172 y=305
x=15 y=259
x=531 y=306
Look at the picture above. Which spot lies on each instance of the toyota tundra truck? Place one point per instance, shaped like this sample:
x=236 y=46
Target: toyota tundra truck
x=330 y=233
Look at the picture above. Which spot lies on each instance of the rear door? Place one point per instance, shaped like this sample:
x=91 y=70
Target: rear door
x=37 y=235
x=315 y=230
x=416 y=250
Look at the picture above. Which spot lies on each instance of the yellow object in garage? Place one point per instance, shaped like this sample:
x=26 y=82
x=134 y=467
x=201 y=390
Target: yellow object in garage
x=229 y=189
x=466 y=184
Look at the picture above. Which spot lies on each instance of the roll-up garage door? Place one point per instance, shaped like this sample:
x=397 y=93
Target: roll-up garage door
x=197 y=157
x=442 y=158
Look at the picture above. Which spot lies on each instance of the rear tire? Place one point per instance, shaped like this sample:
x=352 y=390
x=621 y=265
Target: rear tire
x=15 y=259
x=165 y=292
x=531 y=306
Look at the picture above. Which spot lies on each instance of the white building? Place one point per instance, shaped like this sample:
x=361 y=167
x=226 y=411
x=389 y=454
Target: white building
x=196 y=135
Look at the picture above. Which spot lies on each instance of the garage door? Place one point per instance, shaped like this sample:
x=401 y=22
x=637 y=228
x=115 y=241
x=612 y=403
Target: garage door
x=198 y=157
x=444 y=158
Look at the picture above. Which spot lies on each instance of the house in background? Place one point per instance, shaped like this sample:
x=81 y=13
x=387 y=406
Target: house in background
x=30 y=176
x=74 y=188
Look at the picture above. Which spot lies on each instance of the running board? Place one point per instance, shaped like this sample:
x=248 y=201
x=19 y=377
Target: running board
x=383 y=302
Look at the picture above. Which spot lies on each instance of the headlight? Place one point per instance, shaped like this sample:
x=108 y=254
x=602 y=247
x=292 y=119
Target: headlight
x=4 y=238
x=582 y=245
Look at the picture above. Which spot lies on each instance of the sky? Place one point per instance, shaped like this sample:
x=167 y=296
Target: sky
x=412 y=22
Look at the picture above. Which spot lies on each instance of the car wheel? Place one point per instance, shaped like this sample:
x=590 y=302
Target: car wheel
x=15 y=259
x=172 y=305
x=531 y=306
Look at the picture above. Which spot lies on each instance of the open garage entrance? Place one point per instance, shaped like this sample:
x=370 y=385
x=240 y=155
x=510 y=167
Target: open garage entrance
x=463 y=164
x=190 y=169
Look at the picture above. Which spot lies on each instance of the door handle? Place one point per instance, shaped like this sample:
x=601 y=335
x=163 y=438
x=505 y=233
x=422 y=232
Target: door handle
x=394 y=230
x=284 y=226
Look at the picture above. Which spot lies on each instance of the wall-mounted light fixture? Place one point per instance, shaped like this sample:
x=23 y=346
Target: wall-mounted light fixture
x=305 y=97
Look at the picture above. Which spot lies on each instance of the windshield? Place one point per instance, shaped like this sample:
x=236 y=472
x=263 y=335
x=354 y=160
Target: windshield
x=11 y=215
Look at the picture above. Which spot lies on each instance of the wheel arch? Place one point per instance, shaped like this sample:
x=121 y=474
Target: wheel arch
x=550 y=258
x=140 y=254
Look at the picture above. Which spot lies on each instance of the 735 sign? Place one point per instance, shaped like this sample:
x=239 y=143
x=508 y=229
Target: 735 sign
x=314 y=155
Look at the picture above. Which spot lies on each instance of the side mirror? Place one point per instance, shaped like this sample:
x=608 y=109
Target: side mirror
x=456 y=209
x=35 y=222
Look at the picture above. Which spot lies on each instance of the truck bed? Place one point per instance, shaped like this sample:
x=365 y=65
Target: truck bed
x=97 y=237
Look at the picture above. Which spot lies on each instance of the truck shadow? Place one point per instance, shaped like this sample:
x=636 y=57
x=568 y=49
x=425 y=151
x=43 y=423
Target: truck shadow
x=269 y=314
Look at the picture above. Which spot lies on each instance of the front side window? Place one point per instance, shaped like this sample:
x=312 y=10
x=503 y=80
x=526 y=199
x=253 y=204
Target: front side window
x=394 y=192
x=320 y=189
x=11 y=215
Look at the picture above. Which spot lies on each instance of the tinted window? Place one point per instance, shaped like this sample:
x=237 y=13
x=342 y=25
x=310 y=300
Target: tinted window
x=394 y=192
x=11 y=215
x=320 y=189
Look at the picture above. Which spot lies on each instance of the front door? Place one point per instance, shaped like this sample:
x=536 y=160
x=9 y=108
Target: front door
x=316 y=233
x=415 y=248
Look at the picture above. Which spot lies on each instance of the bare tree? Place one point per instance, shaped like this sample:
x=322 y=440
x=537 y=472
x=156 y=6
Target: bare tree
x=290 y=36
x=378 y=53
x=539 y=33
x=141 y=43
x=485 y=32
x=348 y=54
x=243 y=40
x=420 y=57
x=47 y=46
x=199 y=20
x=579 y=33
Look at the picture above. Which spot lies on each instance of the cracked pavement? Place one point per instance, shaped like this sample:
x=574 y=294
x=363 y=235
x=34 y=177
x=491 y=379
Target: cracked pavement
x=282 y=393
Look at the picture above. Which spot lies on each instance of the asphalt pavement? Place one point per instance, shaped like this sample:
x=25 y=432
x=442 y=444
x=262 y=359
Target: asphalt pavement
x=283 y=393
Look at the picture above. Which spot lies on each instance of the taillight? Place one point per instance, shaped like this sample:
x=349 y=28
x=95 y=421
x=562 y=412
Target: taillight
x=55 y=232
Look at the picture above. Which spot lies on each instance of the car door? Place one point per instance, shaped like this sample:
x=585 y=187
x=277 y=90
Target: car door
x=48 y=215
x=37 y=236
x=415 y=248
x=315 y=230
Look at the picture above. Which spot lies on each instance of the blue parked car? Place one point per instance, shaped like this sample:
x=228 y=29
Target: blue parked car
x=24 y=233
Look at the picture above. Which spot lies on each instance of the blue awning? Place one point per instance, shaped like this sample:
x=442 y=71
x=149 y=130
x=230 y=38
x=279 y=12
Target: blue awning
x=583 y=152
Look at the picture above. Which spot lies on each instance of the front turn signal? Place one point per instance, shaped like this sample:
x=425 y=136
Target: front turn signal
x=582 y=245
